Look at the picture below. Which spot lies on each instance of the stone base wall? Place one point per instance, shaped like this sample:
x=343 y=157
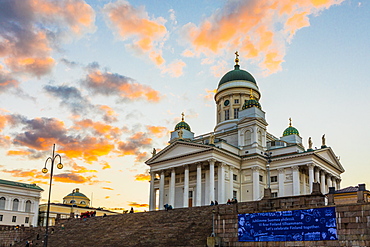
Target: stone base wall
x=353 y=221
x=11 y=235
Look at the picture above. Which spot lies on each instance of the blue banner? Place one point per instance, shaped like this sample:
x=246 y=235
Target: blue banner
x=295 y=225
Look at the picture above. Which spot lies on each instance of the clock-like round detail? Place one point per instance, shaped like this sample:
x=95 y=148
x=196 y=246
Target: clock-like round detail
x=226 y=103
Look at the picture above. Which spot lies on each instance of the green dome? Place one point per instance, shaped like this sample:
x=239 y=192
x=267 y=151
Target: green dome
x=251 y=103
x=237 y=74
x=76 y=194
x=290 y=131
x=182 y=125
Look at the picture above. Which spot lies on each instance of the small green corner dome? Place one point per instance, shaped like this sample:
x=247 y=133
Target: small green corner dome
x=251 y=103
x=237 y=74
x=290 y=131
x=182 y=125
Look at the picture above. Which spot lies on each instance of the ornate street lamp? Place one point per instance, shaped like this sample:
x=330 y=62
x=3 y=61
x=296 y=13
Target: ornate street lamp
x=45 y=170
x=268 y=157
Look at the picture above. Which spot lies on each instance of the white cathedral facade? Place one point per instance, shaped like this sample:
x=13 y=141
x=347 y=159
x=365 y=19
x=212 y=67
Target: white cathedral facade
x=239 y=159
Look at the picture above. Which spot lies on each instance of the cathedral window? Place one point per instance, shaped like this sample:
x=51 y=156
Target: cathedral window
x=27 y=219
x=14 y=219
x=235 y=177
x=1 y=217
x=260 y=137
x=236 y=113
x=28 y=206
x=236 y=101
x=274 y=194
x=274 y=179
x=2 y=202
x=227 y=115
x=261 y=178
x=15 y=205
x=248 y=137
x=235 y=193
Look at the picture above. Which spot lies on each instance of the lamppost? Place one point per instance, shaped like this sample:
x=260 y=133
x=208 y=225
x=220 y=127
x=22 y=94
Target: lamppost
x=45 y=170
x=268 y=157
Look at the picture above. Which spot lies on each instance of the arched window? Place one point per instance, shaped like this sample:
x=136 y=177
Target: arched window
x=28 y=206
x=2 y=202
x=83 y=202
x=248 y=137
x=15 y=205
x=259 y=137
x=72 y=201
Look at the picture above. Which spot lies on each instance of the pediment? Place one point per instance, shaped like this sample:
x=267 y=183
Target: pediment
x=178 y=149
x=328 y=155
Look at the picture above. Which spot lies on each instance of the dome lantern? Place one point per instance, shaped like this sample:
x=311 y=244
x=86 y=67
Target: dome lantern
x=290 y=130
x=182 y=124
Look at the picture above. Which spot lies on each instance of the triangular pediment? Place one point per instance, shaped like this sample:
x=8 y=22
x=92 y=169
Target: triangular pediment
x=178 y=149
x=328 y=155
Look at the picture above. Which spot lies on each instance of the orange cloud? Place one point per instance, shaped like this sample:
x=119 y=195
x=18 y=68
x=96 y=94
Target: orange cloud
x=80 y=169
x=109 y=114
x=174 y=69
x=271 y=24
x=134 y=23
x=138 y=205
x=18 y=152
x=99 y=128
x=32 y=65
x=75 y=178
x=142 y=177
x=32 y=30
x=107 y=188
x=158 y=131
x=106 y=165
x=75 y=14
x=114 y=84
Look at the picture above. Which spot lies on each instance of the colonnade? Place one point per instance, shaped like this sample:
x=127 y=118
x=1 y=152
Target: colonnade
x=210 y=190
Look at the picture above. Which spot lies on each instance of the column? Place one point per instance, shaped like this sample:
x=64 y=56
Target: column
x=328 y=181
x=221 y=183
x=338 y=183
x=186 y=187
x=281 y=180
x=311 y=168
x=206 y=186
x=198 y=200
x=161 y=191
x=211 y=180
x=322 y=183
x=151 y=192
x=231 y=180
x=171 y=200
x=256 y=183
x=296 y=183
x=317 y=175
x=333 y=182
x=304 y=185
x=35 y=209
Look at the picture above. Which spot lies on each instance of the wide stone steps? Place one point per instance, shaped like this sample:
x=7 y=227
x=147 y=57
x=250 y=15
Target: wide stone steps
x=177 y=227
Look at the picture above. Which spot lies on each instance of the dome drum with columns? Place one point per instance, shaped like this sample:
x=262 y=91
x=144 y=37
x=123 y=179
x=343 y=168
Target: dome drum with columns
x=230 y=162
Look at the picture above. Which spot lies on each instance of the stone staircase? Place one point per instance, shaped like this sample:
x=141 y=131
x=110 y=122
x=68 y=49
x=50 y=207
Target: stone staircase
x=177 y=227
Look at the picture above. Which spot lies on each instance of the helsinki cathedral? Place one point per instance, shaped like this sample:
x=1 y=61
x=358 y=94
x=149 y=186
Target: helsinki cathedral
x=240 y=158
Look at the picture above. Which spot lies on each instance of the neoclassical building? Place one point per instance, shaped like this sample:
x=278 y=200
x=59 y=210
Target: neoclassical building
x=19 y=203
x=240 y=157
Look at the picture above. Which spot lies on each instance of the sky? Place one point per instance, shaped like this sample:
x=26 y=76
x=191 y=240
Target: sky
x=106 y=82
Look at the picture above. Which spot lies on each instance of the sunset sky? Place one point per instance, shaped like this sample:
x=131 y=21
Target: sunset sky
x=106 y=81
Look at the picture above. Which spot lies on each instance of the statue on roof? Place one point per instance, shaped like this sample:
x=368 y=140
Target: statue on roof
x=180 y=133
x=323 y=141
x=212 y=139
x=154 y=152
x=309 y=143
